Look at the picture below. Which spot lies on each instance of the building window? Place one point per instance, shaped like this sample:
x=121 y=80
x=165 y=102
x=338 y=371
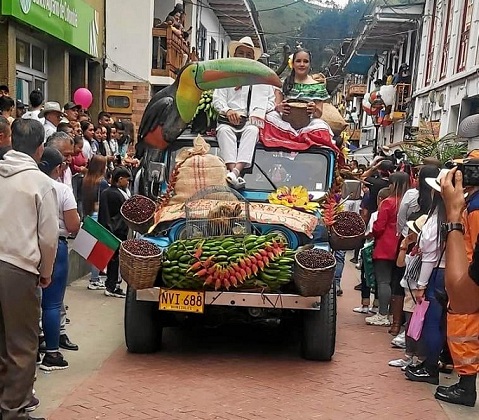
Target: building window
x=446 y=38
x=465 y=33
x=213 y=51
x=201 y=42
x=430 y=45
x=31 y=68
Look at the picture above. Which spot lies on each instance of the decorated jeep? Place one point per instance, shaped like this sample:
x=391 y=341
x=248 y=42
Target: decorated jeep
x=257 y=254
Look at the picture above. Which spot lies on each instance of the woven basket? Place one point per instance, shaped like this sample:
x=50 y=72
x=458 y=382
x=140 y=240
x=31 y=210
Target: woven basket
x=344 y=243
x=139 y=272
x=139 y=227
x=298 y=116
x=313 y=281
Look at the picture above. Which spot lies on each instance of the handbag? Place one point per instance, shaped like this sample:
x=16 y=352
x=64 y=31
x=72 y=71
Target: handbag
x=223 y=119
x=417 y=320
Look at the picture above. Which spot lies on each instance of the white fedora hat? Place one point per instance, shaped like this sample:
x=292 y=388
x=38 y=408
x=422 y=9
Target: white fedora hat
x=50 y=107
x=417 y=225
x=245 y=42
x=435 y=183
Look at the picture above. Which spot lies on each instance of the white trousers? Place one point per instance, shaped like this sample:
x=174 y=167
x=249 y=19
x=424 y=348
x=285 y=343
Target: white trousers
x=230 y=151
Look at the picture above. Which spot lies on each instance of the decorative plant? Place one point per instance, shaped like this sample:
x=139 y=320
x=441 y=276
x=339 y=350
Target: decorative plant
x=295 y=197
x=444 y=149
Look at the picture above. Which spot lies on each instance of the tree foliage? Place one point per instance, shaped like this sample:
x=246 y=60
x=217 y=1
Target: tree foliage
x=324 y=33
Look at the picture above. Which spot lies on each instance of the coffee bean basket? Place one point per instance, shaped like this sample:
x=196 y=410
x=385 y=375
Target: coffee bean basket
x=315 y=281
x=138 y=213
x=347 y=233
x=298 y=116
x=140 y=262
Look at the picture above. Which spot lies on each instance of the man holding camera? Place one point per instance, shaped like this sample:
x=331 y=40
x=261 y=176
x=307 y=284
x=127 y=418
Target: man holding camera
x=462 y=232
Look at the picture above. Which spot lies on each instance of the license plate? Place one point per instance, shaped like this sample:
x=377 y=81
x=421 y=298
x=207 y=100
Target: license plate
x=182 y=301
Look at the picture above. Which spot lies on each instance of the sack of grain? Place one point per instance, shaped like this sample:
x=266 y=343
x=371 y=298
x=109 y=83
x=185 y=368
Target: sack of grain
x=197 y=170
x=334 y=118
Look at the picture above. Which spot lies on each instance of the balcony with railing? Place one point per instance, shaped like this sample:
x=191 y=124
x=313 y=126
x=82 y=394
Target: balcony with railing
x=170 y=52
x=355 y=90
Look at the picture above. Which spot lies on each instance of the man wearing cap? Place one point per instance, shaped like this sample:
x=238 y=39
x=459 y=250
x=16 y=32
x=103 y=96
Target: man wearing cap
x=242 y=111
x=464 y=347
x=20 y=108
x=71 y=111
x=53 y=116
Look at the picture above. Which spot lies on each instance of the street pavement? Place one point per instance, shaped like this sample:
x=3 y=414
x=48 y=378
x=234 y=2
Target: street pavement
x=231 y=373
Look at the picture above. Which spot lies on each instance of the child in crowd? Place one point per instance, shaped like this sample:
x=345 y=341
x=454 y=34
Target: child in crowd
x=365 y=289
x=111 y=200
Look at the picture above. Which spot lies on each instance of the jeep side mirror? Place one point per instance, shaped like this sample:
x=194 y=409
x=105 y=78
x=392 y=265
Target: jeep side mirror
x=156 y=172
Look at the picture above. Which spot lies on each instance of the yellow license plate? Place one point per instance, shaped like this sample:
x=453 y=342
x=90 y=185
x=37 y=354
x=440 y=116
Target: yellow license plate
x=182 y=301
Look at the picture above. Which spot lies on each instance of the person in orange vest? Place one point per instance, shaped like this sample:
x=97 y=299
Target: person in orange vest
x=462 y=285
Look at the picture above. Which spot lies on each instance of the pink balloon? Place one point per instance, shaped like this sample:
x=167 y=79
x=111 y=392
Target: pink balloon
x=83 y=97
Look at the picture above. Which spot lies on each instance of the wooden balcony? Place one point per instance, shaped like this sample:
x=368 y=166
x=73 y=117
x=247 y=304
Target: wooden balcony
x=170 y=52
x=355 y=89
x=403 y=97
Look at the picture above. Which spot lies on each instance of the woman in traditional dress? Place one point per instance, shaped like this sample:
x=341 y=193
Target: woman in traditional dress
x=299 y=86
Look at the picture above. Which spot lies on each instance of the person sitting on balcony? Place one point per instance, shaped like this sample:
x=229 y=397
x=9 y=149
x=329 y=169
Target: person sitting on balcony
x=242 y=111
x=176 y=18
x=299 y=86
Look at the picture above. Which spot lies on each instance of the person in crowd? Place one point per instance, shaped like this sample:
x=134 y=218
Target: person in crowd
x=83 y=115
x=65 y=145
x=28 y=243
x=299 y=86
x=90 y=144
x=430 y=286
x=416 y=200
x=408 y=251
x=20 y=108
x=377 y=178
x=66 y=128
x=365 y=289
x=5 y=137
x=36 y=102
x=409 y=206
x=7 y=108
x=111 y=200
x=104 y=119
x=4 y=90
x=52 y=296
x=79 y=167
x=94 y=184
x=53 y=116
x=71 y=111
x=242 y=111
x=462 y=284
x=110 y=147
x=386 y=245
x=77 y=131
x=122 y=139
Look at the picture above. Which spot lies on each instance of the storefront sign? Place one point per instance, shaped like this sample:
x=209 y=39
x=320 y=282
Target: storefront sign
x=428 y=130
x=72 y=21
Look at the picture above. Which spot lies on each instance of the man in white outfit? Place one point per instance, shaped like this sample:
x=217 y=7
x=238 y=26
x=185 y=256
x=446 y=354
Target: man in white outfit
x=242 y=111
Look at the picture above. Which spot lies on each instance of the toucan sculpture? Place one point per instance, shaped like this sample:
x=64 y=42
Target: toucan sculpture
x=171 y=109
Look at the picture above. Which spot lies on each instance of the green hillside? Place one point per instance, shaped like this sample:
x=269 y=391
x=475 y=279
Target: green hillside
x=282 y=23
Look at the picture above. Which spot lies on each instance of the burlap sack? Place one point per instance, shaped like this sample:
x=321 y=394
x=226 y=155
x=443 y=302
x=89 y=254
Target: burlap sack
x=334 y=119
x=198 y=170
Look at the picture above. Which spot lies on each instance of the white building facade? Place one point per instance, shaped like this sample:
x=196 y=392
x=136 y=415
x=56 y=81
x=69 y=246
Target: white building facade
x=447 y=84
x=142 y=54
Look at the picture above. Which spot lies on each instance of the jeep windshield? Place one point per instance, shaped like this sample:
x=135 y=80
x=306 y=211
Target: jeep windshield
x=311 y=168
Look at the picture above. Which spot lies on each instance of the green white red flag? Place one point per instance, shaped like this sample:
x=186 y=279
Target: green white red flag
x=95 y=243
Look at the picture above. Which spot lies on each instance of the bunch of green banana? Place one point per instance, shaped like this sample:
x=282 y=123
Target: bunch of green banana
x=228 y=262
x=206 y=105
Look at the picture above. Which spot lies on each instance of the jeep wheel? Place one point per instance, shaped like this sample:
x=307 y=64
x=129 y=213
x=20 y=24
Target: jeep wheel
x=319 y=329
x=143 y=330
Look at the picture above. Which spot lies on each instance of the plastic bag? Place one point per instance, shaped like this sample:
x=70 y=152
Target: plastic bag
x=417 y=320
x=368 y=265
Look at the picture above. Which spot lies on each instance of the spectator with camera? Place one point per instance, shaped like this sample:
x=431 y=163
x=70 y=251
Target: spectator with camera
x=462 y=278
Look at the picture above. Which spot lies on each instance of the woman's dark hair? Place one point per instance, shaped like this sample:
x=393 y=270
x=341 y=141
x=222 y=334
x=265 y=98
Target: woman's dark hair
x=119 y=172
x=439 y=207
x=51 y=158
x=425 y=200
x=399 y=184
x=84 y=126
x=289 y=81
x=91 y=182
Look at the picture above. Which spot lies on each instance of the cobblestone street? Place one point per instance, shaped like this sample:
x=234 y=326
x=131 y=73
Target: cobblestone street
x=218 y=375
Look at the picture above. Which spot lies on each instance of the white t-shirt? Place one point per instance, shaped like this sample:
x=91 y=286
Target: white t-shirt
x=372 y=219
x=87 y=151
x=33 y=115
x=66 y=201
x=67 y=178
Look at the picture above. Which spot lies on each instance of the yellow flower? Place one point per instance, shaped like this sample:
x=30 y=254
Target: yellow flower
x=294 y=197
